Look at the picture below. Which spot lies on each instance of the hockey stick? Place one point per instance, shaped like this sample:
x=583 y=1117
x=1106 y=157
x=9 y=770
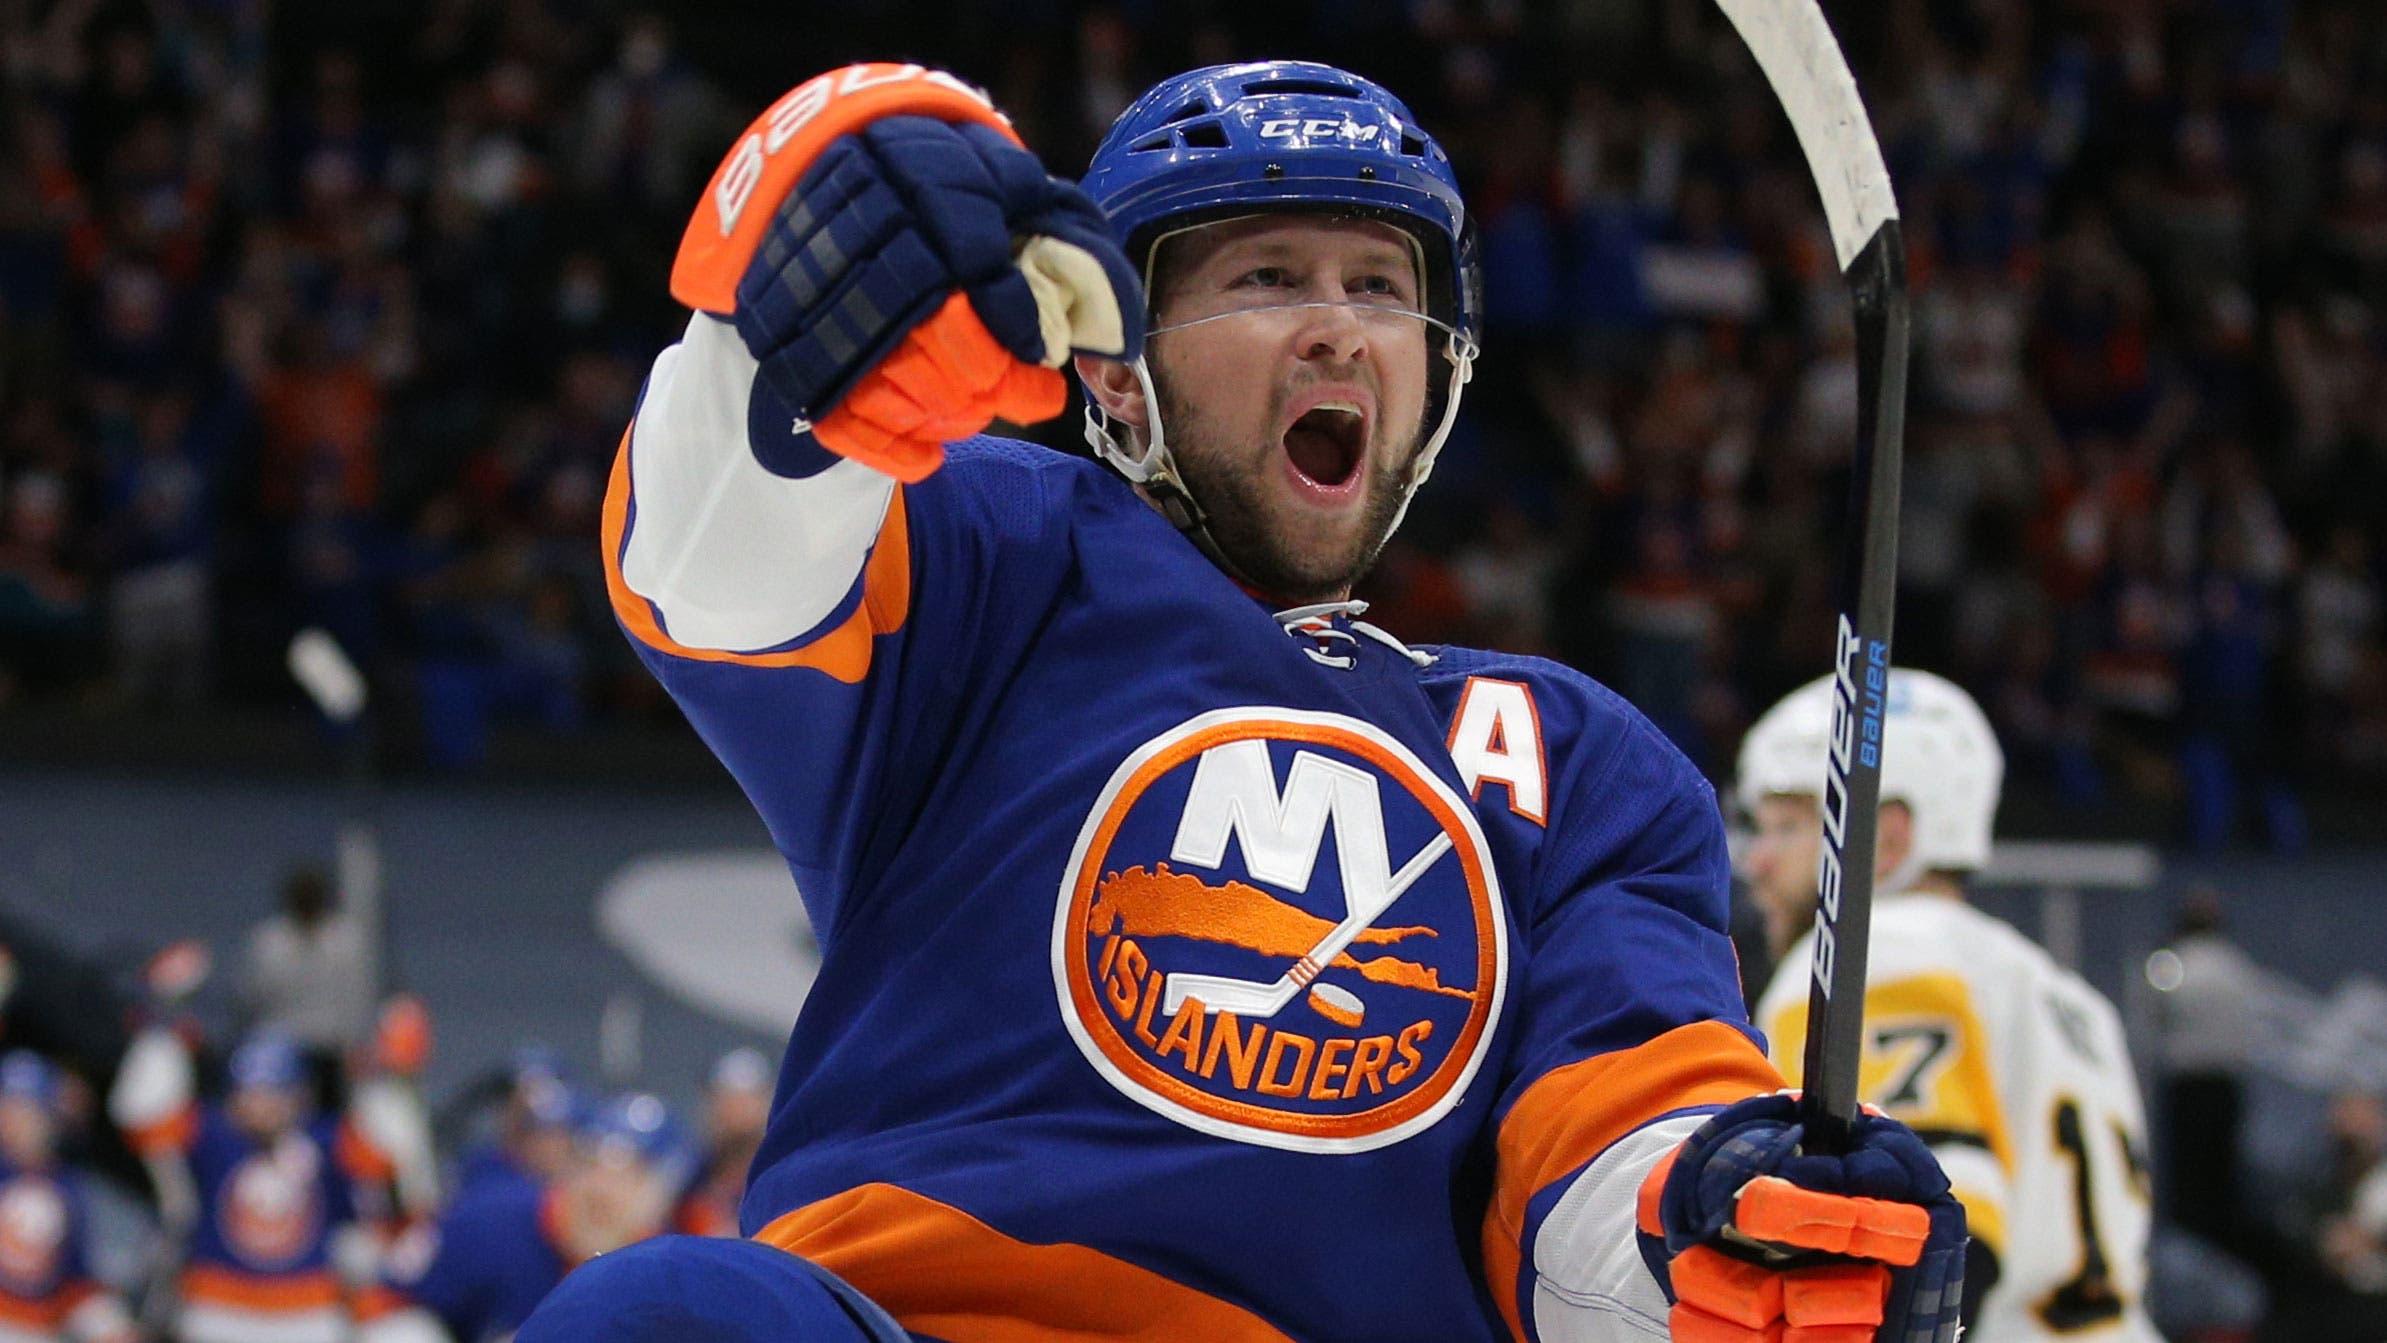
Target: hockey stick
x=1255 y=1001
x=1794 y=46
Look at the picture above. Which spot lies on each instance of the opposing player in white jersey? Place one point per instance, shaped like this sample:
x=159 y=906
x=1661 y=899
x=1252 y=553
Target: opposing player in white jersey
x=2013 y=1068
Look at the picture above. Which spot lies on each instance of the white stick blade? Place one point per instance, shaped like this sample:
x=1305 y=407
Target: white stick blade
x=321 y=667
x=1802 y=60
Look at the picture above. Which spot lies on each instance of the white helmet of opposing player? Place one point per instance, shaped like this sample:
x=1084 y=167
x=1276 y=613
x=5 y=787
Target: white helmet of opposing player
x=1939 y=757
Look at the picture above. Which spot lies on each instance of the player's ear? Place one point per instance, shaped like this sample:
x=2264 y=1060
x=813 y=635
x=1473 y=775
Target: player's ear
x=1115 y=388
x=1893 y=837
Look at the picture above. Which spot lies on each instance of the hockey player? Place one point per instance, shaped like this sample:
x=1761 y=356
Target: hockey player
x=737 y=1110
x=47 y=1291
x=273 y=1236
x=1198 y=960
x=506 y=1243
x=535 y=1123
x=2013 y=1068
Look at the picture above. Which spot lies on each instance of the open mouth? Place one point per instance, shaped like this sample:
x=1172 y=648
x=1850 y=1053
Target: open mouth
x=1325 y=443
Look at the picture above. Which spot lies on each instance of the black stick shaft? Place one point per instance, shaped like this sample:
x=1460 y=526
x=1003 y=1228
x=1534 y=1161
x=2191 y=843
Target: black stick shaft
x=1861 y=669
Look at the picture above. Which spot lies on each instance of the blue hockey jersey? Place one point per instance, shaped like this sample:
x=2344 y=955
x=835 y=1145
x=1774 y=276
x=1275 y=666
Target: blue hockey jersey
x=259 y=1263
x=1189 y=969
x=47 y=1290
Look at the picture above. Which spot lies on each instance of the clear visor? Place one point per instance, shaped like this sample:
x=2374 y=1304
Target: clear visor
x=1387 y=314
x=1378 y=312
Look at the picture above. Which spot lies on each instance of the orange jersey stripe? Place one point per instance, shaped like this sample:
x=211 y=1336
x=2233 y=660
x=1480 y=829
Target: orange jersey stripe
x=940 y=1271
x=358 y=1155
x=376 y=1301
x=1572 y=1114
x=843 y=653
x=44 y=1316
x=175 y=1133
x=224 y=1287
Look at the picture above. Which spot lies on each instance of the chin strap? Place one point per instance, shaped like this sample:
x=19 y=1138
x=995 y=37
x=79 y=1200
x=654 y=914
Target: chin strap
x=1154 y=469
x=1459 y=349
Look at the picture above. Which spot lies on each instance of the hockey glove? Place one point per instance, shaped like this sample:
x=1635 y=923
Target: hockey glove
x=1758 y=1242
x=920 y=275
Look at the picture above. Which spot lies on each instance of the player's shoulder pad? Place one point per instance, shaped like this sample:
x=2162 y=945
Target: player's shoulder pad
x=1585 y=726
x=2069 y=987
x=1620 y=805
x=1016 y=490
x=1924 y=929
x=985 y=454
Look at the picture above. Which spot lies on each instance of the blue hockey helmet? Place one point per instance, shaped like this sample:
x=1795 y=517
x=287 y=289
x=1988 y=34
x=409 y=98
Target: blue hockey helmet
x=27 y=1076
x=1228 y=141
x=1232 y=140
x=533 y=1064
x=639 y=1125
x=267 y=1060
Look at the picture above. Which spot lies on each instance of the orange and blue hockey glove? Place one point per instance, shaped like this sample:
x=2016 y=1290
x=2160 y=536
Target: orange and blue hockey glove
x=902 y=270
x=1758 y=1242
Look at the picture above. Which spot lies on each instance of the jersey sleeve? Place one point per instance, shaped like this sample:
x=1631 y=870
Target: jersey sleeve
x=154 y=1100
x=716 y=555
x=356 y=1180
x=359 y=1156
x=1632 y=1032
x=1928 y=1063
x=805 y=611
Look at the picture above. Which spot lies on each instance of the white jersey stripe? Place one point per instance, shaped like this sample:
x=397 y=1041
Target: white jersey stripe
x=1591 y=1284
x=735 y=558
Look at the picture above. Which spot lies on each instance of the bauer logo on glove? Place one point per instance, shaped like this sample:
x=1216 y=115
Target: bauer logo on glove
x=902 y=270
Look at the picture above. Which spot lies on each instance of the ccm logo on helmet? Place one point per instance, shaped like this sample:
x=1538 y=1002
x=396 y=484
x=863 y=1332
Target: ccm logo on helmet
x=797 y=110
x=1317 y=128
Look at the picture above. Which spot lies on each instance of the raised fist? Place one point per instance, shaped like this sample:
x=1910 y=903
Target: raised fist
x=902 y=270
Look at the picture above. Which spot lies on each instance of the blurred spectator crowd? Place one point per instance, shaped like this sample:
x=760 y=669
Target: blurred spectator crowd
x=335 y=318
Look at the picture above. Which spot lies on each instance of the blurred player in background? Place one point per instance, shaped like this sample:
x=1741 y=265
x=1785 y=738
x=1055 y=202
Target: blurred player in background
x=2012 y=1067
x=737 y=1109
x=533 y=1144
x=1104 y=1044
x=270 y=1198
x=307 y=972
x=505 y=1243
x=47 y=1291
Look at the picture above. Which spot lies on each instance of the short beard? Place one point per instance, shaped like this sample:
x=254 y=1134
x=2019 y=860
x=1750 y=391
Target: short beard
x=1233 y=506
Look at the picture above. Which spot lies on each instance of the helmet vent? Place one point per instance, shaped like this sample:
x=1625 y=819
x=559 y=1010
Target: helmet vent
x=1196 y=108
x=1412 y=147
x=1164 y=140
x=1203 y=135
x=1325 y=88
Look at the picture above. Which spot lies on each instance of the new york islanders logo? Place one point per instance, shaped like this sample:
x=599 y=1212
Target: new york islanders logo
x=32 y=1234
x=272 y=1208
x=1280 y=927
